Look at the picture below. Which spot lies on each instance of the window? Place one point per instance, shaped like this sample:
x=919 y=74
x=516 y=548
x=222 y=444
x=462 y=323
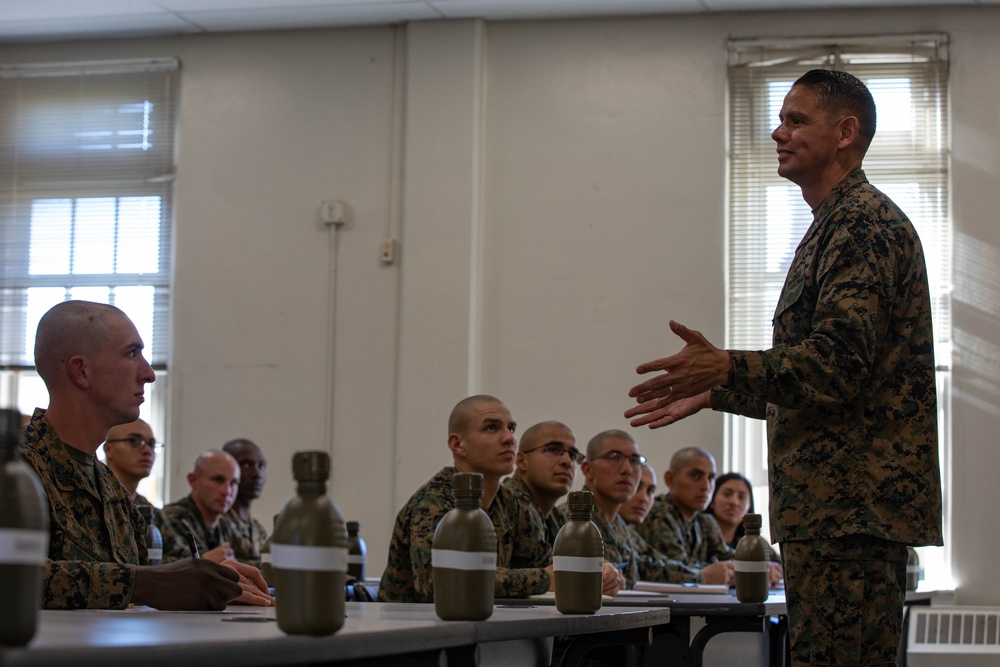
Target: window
x=908 y=160
x=86 y=176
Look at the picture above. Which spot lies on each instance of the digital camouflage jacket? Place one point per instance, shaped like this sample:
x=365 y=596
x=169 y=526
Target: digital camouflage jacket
x=848 y=386
x=521 y=552
x=95 y=533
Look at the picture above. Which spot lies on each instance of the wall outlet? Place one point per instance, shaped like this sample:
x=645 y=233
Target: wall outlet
x=333 y=212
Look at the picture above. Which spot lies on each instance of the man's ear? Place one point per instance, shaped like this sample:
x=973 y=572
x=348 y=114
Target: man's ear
x=850 y=129
x=191 y=477
x=521 y=463
x=668 y=478
x=585 y=469
x=456 y=445
x=76 y=371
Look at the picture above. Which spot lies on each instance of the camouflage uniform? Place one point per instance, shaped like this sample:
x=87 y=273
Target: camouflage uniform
x=183 y=517
x=848 y=390
x=158 y=517
x=688 y=545
x=623 y=545
x=549 y=525
x=521 y=552
x=94 y=532
x=248 y=537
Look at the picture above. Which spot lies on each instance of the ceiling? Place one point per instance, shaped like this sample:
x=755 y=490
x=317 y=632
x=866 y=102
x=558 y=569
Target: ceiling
x=51 y=20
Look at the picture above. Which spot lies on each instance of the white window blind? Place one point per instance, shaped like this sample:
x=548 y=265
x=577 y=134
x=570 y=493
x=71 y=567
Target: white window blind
x=86 y=175
x=908 y=160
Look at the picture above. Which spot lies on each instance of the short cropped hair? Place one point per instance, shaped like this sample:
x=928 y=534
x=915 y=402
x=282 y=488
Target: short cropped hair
x=844 y=93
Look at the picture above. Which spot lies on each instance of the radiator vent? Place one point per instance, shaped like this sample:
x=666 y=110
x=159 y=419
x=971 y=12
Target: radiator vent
x=954 y=630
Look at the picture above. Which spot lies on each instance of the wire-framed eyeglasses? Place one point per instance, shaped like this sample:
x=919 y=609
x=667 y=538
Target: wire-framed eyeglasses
x=615 y=458
x=138 y=443
x=556 y=450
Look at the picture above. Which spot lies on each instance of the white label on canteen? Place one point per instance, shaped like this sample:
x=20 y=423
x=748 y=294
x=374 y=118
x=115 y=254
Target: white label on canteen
x=752 y=566
x=154 y=554
x=23 y=547
x=265 y=557
x=312 y=559
x=577 y=564
x=463 y=560
x=913 y=569
x=355 y=559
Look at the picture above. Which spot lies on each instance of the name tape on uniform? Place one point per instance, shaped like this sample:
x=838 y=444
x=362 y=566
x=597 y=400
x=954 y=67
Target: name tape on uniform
x=752 y=566
x=23 y=547
x=463 y=560
x=312 y=559
x=577 y=564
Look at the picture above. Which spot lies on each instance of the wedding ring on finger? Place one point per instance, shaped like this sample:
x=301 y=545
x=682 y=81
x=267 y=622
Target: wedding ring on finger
x=671 y=388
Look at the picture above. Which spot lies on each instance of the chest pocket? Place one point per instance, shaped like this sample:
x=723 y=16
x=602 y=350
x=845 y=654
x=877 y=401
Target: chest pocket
x=789 y=296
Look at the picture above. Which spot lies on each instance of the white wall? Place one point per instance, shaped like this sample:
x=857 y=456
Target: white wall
x=558 y=189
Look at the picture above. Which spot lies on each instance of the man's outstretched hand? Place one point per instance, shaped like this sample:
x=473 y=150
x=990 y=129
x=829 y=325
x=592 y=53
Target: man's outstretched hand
x=682 y=388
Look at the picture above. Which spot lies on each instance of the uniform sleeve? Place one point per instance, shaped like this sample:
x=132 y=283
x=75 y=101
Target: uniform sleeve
x=669 y=561
x=520 y=582
x=424 y=519
x=654 y=565
x=530 y=553
x=532 y=547
x=174 y=532
x=723 y=400
x=715 y=543
x=82 y=585
x=244 y=539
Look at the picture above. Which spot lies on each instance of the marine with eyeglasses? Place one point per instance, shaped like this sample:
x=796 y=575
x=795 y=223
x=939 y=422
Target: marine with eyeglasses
x=612 y=469
x=545 y=468
x=130 y=452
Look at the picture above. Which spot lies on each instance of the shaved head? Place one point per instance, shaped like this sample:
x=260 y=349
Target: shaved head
x=467 y=408
x=70 y=328
x=210 y=459
x=535 y=434
x=596 y=445
x=682 y=458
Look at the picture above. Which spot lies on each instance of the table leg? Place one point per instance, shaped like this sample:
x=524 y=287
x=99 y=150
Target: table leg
x=672 y=644
x=579 y=645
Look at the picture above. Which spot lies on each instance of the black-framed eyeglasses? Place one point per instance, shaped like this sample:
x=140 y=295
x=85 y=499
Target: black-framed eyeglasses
x=614 y=457
x=556 y=450
x=138 y=443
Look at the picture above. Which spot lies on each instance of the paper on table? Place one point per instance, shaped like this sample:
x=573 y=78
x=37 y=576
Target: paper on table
x=657 y=587
x=551 y=595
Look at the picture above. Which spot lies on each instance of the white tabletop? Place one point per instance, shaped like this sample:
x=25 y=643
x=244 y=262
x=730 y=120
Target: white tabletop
x=248 y=636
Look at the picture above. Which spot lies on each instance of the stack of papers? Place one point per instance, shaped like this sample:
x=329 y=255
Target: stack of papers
x=676 y=589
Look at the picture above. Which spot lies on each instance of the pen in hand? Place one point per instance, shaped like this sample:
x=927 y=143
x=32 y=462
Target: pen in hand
x=621 y=566
x=193 y=545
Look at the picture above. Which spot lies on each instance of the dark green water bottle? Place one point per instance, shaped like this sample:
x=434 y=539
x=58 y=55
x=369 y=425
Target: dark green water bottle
x=153 y=537
x=24 y=537
x=578 y=558
x=356 y=551
x=753 y=562
x=266 y=570
x=464 y=555
x=309 y=553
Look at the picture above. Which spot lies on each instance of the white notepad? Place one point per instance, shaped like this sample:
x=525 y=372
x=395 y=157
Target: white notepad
x=657 y=587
